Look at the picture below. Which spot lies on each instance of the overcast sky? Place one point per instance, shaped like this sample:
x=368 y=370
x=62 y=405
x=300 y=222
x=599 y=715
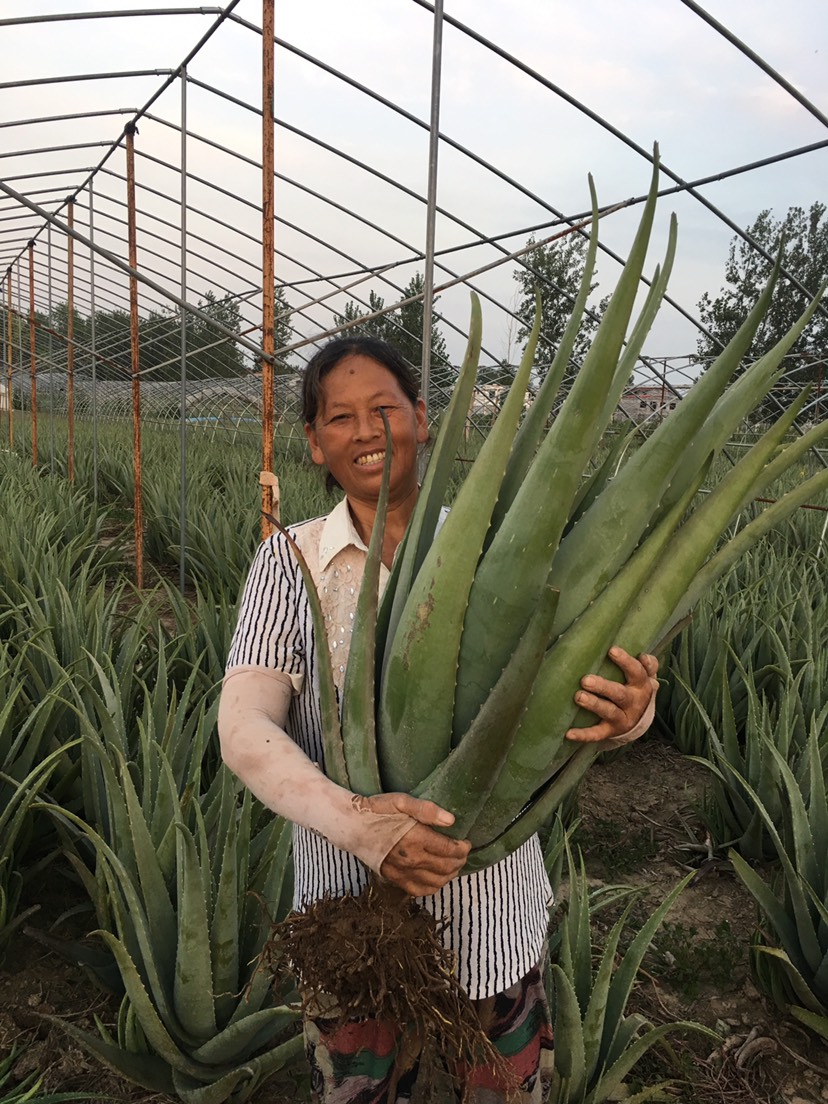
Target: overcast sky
x=651 y=68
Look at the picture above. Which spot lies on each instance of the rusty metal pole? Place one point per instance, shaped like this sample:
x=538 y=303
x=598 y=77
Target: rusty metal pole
x=93 y=351
x=268 y=275
x=9 y=355
x=182 y=417
x=431 y=203
x=50 y=353
x=70 y=341
x=33 y=352
x=138 y=513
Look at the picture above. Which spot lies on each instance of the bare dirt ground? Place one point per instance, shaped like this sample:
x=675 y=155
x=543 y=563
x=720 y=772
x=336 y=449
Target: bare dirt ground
x=639 y=825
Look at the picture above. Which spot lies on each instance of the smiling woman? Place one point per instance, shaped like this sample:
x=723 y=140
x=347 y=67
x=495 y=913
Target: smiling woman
x=493 y=922
x=343 y=397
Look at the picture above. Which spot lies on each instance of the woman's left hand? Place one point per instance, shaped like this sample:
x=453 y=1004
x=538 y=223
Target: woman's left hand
x=619 y=706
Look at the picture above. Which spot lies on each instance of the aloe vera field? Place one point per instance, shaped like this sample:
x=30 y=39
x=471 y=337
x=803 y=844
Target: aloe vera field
x=138 y=883
x=535 y=204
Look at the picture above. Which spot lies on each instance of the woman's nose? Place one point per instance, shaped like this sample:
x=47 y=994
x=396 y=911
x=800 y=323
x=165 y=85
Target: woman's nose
x=368 y=426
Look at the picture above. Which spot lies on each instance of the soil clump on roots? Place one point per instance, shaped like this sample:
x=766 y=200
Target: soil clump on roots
x=378 y=954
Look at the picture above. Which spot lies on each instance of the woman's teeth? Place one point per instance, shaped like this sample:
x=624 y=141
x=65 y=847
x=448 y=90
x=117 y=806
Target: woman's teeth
x=371 y=458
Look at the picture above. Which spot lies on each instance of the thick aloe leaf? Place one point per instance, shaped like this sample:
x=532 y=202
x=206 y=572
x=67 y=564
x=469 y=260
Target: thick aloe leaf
x=161 y=915
x=515 y=567
x=581 y=934
x=784 y=925
x=619 y=516
x=245 y=858
x=793 y=452
x=817 y=1023
x=693 y=542
x=236 y=1085
x=536 y=813
x=154 y=1028
x=415 y=723
x=569 y=1038
x=12 y=817
x=533 y=426
x=193 y=986
x=550 y=710
x=432 y=496
x=596 y=1011
x=628 y=359
x=745 y=393
x=786 y=982
x=224 y=931
x=359 y=727
x=150 y=1071
x=240 y=1084
x=262 y=909
x=237 y=1041
x=463 y=781
x=744 y=539
x=597 y=480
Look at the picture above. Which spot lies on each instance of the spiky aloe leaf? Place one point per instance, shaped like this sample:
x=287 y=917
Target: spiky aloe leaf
x=224 y=928
x=635 y=1051
x=149 y=874
x=570 y=1061
x=793 y=920
x=463 y=781
x=359 y=726
x=816 y=1022
x=247 y=1035
x=193 y=985
x=156 y=1030
x=550 y=710
x=598 y=1040
x=744 y=394
x=533 y=426
x=620 y=987
x=748 y=535
x=432 y=496
x=132 y=920
x=150 y=1071
x=618 y=517
x=597 y=480
x=516 y=565
x=426 y=646
x=242 y=1082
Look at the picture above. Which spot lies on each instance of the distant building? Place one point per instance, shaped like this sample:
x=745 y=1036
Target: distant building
x=487 y=399
x=649 y=402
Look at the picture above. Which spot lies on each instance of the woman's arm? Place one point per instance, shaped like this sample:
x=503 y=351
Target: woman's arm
x=393 y=834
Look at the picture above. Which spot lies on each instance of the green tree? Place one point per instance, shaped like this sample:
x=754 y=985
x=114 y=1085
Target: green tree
x=803 y=236
x=502 y=373
x=555 y=270
x=402 y=327
x=112 y=344
x=210 y=355
x=283 y=331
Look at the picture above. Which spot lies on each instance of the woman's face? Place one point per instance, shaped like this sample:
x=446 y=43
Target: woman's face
x=348 y=436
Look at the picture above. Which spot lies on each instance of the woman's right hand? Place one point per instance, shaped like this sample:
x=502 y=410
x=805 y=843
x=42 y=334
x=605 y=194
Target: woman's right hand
x=423 y=860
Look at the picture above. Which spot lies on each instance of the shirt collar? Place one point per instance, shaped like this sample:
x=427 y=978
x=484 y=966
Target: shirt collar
x=338 y=533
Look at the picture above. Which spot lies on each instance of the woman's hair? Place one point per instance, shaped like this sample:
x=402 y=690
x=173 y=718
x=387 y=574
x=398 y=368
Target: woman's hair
x=327 y=358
